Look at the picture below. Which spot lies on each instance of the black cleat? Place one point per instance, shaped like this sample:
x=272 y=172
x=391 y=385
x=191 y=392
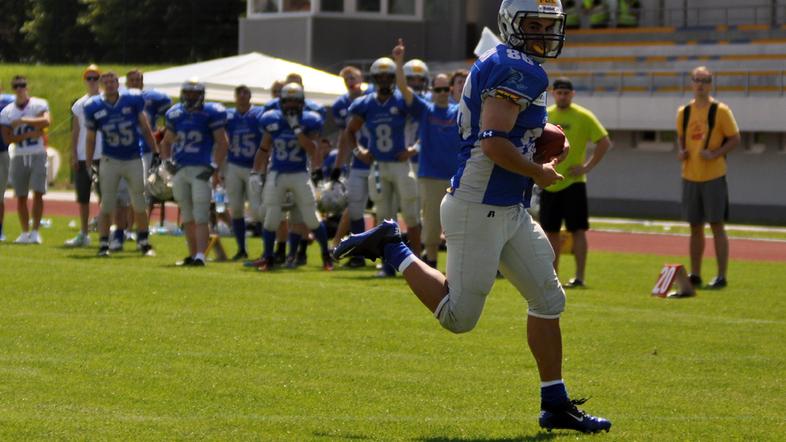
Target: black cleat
x=574 y=283
x=240 y=255
x=355 y=262
x=103 y=252
x=369 y=244
x=198 y=262
x=695 y=280
x=718 y=282
x=147 y=250
x=266 y=265
x=291 y=262
x=185 y=262
x=569 y=417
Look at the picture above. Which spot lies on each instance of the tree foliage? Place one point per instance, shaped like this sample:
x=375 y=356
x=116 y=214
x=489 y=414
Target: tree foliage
x=125 y=31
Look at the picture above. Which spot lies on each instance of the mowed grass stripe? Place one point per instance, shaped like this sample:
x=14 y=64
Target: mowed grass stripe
x=131 y=348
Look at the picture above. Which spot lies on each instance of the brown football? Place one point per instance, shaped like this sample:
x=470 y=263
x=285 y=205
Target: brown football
x=550 y=144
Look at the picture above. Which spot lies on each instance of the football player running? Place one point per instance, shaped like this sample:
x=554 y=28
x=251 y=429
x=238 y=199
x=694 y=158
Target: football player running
x=384 y=114
x=502 y=112
x=120 y=118
x=244 y=138
x=193 y=128
x=291 y=136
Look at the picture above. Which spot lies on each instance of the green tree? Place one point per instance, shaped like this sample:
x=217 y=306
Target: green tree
x=13 y=47
x=53 y=33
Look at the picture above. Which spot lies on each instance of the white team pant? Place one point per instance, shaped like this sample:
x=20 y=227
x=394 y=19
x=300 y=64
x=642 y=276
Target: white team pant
x=299 y=183
x=192 y=190
x=399 y=187
x=239 y=190
x=483 y=238
x=357 y=193
x=112 y=173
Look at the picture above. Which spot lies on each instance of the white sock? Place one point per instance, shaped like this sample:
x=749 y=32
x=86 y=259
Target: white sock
x=200 y=256
x=550 y=383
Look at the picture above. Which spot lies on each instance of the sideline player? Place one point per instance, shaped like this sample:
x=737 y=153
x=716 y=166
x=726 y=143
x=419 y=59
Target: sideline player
x=120 y=118
x=23 y=123
x=244 y=137
x=384 y=113
x=567 y=199
x=290 y=135
x=357 y=182
x=486 y=224
x=5 y=100
x=439 y=147
x=79 y=163
x=193 y=128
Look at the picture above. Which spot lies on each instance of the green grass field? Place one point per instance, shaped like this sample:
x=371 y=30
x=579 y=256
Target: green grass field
x=60 y=86
x=132 y=348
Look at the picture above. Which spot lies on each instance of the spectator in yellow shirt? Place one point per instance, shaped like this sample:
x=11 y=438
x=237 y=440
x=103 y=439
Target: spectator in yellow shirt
x=704 y=140
x=567 y=199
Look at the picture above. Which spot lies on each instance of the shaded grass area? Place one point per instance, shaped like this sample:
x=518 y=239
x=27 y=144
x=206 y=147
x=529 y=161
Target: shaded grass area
x=133 y=348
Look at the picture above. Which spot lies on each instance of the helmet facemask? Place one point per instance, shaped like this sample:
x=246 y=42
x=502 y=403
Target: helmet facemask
x=192 y=99
x=384 y=83
x=292 y=106
x=526 y=32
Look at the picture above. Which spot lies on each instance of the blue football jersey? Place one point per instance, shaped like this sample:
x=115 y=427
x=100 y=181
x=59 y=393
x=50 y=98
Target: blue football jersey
x=341 y=117
x=118 y=123
x=439 y=138
x=194 y=133
x=311 y=105
x=245 y=134
x=5 y=100
x=385 y=123
x=509 y=74
x=156 y=104
x=287 y=155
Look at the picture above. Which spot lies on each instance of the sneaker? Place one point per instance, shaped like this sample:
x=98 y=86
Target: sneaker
x=718 y=282
x=147 y=250
x=280 y=256
x=23 y=238
x=2 y=237
x=266 y=265
x=355 y=262
x=574 y=283
x=197 y=262
x=254 y=263
x=103 y=252
x=34 y=237
x=569 y=417
x=240 y=255
x=80 y=240
x=291 y=262
x=695 y=280
x=327 y=263
x=185 y=262
x=115 y=245
x=369 y=244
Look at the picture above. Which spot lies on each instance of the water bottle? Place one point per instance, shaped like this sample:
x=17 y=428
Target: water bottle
x=220 y=198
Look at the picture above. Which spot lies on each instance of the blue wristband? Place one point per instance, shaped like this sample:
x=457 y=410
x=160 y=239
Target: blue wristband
x=490 y=133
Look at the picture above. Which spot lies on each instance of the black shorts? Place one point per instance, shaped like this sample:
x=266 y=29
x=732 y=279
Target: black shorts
x=705 y=202
x=83 y=183
x=569 y=204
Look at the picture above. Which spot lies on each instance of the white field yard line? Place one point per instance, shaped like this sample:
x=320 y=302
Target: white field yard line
x=649 y=223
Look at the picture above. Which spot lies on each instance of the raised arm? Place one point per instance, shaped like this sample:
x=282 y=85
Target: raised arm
x=401 y=79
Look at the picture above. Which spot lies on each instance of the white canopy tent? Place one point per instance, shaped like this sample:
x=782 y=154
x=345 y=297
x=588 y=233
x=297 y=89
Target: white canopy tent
x=255 y=70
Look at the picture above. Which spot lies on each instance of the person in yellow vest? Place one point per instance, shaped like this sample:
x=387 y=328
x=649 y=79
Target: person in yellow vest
x=567 y=199
x=706 y=132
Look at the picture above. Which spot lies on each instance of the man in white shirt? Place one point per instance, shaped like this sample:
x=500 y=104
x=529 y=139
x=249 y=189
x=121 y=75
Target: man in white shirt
x=79 y=164
x=23 y=124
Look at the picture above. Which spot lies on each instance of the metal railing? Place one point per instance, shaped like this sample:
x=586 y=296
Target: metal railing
x=772 y=15
x=651 y=83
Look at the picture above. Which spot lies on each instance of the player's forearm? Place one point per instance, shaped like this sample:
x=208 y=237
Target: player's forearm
x=348 y=142
x=401 y=83
x=220 y=155
x=37 y=122
x=504 y=154
x=730 y=144
x=601 y=148
x=307 y=143
x=74 y=138
x=90 y=145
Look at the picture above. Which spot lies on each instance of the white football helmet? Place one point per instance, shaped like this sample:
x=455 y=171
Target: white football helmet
x=159 y=183
x=333 y=197
x=538 y=45
x=381 y=66
x=192 y=94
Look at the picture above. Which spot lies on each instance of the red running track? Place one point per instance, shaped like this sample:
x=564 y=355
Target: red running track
x=656 y=244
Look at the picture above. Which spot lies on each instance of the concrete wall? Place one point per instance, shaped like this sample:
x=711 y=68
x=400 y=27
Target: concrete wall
x=635 y=183
x=282 y=37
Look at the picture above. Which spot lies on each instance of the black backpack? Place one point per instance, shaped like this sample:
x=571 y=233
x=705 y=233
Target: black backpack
x=711 y=121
